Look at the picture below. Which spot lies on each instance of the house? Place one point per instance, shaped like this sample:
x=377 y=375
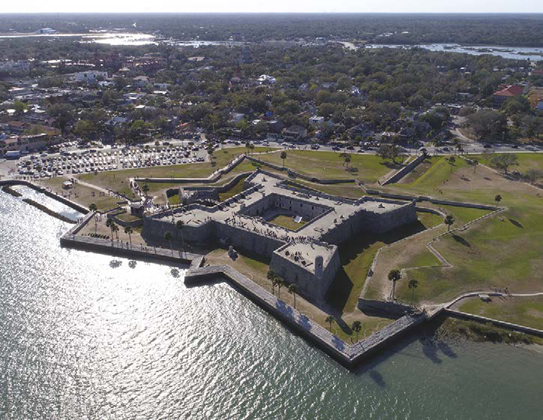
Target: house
x=266 y=79
x=91 y=76
x=276 y=126
x=316 y=120
x=141 y=81
x=295 y=132
x=46 y=31
x=236 y=116
x=505 y=92
x=22 y=143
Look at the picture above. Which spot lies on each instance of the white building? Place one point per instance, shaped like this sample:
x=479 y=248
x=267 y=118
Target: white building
x=316 y=120
x=91 y=76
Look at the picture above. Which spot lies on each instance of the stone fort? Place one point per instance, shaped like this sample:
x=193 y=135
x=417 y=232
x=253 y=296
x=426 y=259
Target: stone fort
x=307 y=256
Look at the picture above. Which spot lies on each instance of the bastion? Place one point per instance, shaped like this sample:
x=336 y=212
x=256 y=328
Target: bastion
x=305 y=254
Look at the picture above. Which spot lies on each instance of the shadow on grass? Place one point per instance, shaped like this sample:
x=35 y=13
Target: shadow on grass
x=516 y=223
x=354 y=269
x=461 y=240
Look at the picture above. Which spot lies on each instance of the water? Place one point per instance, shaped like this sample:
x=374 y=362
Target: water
x=84 y=338
x=514 y=53
x=49 y=202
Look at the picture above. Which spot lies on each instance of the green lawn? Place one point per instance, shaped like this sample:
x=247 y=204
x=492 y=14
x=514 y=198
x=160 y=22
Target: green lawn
x=501 y=251
x=523 y=311
x=118 y=180
x=287 y=222
x=234 y=190
x=356 y=257
x=329 y=165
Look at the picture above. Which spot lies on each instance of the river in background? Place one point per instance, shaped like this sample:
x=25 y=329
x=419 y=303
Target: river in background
x=84 y=335
x=513 y=53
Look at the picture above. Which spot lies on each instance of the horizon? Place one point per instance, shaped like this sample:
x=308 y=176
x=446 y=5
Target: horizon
x=278 y=7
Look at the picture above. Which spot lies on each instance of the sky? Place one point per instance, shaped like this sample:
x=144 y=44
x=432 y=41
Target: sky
x=277 y=6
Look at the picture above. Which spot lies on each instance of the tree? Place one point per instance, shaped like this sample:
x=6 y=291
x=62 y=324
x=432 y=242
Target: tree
x=128 y=230
x=487 y=124
x=94 y=208
x=293 y=290
x=347 y=160
x=283 y=157
x=449 y=220
x=389 y=152
x=497 y=199
x=505 y=161
x=451 y=161
x=168 y=236
x=413 y=284
x=145 y=190
x=533 y=175
x=110 y=223
x=357 y=327
x=63 y=115
x=280 y=283
x=330 y=320
x=394 y=276
x=179 y=225
x=115 y=229
x=475 y=163
x=271 y=277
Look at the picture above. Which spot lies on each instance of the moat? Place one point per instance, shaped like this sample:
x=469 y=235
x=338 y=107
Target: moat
x=86 y=335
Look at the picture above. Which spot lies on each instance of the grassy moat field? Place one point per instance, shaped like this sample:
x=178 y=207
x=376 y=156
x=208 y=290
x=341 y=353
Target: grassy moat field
x=500 y=251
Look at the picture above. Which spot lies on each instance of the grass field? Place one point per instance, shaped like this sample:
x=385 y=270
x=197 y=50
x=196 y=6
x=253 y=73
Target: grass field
x=329 y=165
x=502 y=251
x=526 y=311
x=82 y=194
x=287 y=221
x=356 y=256
x=234 y=190
x=119 y=180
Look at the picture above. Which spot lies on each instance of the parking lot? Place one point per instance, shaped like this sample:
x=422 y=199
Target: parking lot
x=95 y=161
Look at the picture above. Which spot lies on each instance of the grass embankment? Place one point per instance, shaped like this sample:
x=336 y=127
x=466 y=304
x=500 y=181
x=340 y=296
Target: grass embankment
x=475 y=331
x=328 y=165
x=501 y=251
x=356 y=256
x=527 y=311
x=232 y=191
x=82 y=194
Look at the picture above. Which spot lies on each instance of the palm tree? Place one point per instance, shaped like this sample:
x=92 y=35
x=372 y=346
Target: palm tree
x=271 y=276
x=145 y=189
x=330 y=320
x=347 y=160
x=274 y=283
x=283 y=156
x=280 y=283
x=357 y=327
x=128 y=230
x=179 y=226
x=114 y=229
x=111 y=225
x=293 y=289
x=94 y=208
x=497 y=199
x=452 y=161
x=168 y=236
x=394 y=276
x=449 y=220
x=413 y=284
